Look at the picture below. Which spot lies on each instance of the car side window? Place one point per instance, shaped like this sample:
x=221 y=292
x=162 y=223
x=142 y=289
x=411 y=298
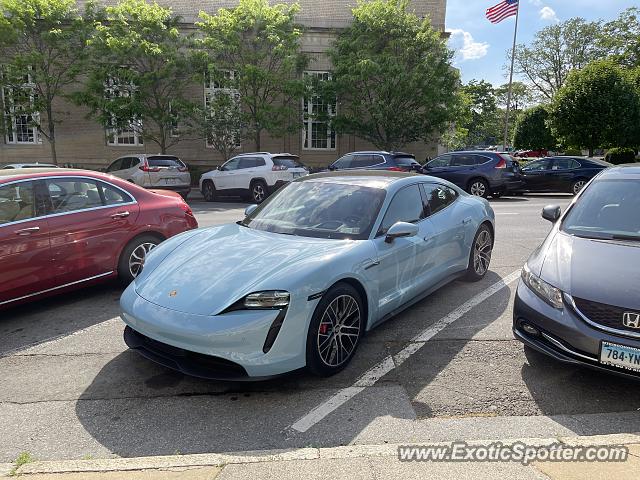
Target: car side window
x=232 y=164
x=343 y=162
x=260 y=162
x=17 y=202
x=115 y=166
x=363 y=161
x=564 y=164
x=247 y=162
x=71 y=195
x=113 y=196
x=439 y=197
x=442 y=161
x=536 y=166
x=463 y=160
x=406 y=206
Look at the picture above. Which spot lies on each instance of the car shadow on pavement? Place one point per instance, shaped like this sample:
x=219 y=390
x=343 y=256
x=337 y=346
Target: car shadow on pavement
x=586 y=401
x=47 y=319
x=134 y=407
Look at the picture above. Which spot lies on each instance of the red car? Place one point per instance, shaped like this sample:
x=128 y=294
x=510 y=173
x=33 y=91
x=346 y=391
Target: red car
x=62 y=229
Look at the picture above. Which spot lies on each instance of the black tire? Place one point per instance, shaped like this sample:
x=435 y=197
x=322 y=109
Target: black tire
x=208 y=191
x=578 y=185
x=128 y=271
x=478 y=187
x=258 y=191
x=480 y=255
x=326 y=352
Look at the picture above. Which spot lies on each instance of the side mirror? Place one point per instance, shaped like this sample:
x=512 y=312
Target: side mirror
x=331 y=168
x=400 y=230
x=552 y=213
x=250 y=209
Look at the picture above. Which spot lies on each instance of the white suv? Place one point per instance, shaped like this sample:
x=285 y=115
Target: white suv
x=153 y=171
x=253 y=175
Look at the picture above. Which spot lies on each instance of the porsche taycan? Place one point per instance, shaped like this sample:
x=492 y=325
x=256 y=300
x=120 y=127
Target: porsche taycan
x=305 y=275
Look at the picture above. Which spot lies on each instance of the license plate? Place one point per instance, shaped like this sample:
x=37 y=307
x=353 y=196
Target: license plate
x=170 y=181
x=620 y=356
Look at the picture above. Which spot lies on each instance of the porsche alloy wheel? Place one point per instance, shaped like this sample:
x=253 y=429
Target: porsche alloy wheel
x=335 y=331
x=339 y=331
x=480 y=256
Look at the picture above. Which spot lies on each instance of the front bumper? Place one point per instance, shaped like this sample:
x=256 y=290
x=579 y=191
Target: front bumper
x=563 y=335
x=228 y=346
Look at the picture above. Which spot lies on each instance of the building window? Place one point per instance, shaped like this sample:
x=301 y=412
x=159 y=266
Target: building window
x=220 y=84
x=131 y=134
x=20 y=119
x=317 y=132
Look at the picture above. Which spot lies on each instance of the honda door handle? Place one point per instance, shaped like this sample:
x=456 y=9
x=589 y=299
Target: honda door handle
x=120 y=215
x=27 y=231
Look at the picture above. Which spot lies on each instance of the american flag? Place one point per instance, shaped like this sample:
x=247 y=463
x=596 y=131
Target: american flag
x=505 y=9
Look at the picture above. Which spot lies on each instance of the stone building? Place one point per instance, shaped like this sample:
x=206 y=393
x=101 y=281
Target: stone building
x=83 y=142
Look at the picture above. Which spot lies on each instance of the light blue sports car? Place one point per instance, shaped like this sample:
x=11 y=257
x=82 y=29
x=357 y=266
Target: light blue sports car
x=299 y=281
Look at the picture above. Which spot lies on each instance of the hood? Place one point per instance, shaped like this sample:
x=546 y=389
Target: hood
x=597 y=270
x=211 y=270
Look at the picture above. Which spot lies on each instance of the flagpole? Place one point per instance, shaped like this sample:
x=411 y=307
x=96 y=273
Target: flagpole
x=513 y=58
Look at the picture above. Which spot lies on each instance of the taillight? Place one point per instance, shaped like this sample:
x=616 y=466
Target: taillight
x=395 y=169
x=502 y=163
x=186 y=209
x=183 y=169
x=279 y=168
x=147 y=168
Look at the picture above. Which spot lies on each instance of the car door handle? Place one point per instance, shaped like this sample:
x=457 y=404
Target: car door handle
x=120 y=215
x=466 y=221
x=27 y=231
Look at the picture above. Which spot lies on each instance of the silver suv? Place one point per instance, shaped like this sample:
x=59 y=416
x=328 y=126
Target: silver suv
x=253 y=175
x=166 y=172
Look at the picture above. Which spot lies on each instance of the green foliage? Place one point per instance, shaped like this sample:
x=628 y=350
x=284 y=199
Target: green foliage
x=140 y=70
x=392 y=77
x=260 y=43
x=44 y=39
x=620 y=155
x=598 y=106
x=485 y=121
x=621 y=38
x=225 y=128
x=22 y=459
x=532 y=131
x=557 y=50
x=573 y=152
x=521 y=96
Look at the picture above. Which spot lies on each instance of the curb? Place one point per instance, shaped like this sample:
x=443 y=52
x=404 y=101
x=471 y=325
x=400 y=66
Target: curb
x=221 y=459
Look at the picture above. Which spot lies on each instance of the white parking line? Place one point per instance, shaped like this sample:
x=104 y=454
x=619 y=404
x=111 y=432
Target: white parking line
x=371 y=376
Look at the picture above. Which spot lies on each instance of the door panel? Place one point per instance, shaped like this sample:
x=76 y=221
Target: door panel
x=224 y=180
x=25 y=253
x=536 y=175
x=440 y=167
x=90 y=223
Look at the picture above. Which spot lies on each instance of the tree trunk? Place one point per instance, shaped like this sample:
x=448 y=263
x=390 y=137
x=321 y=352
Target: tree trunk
x=257 y=139
x=52 y=142
x=591 y=151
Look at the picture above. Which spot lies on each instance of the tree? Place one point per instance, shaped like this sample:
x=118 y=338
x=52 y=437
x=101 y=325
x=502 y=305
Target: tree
x=598 y=106
x=521 y=96
x=42 y=49
x=254 y=49
x=555 y=51
x=140 y=71
x=392 y=77
x=621 y=38
x=224 y=126
x=484 y=121
x=531 y=130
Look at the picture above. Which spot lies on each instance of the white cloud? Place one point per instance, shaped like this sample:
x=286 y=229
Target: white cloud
x=549 y=14
x=536 y=3
x=464 y=43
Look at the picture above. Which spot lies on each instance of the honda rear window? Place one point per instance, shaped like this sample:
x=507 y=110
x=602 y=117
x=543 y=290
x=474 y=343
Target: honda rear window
x=289 y=162
x=165 y=162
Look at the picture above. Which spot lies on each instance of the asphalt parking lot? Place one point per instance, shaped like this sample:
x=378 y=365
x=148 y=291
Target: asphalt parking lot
x=448 y=368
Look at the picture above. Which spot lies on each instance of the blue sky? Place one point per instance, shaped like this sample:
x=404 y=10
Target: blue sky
x=480 y=46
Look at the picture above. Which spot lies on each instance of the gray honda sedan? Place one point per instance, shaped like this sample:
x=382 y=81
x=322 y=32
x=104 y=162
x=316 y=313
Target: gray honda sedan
x=579 y=296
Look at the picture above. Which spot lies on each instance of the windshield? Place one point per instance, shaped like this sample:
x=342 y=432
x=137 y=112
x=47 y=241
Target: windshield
x=608 y=209
x=320 y=210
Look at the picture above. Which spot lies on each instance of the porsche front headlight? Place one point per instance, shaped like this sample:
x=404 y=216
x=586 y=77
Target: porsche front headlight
x=548 y=293
x=267 y=299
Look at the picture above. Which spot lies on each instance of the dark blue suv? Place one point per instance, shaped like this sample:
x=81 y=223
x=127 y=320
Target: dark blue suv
x=480 y=173
x=394 y=161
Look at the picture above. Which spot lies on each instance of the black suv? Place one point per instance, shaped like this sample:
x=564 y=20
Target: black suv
x=394 y=161
x=479 y=173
